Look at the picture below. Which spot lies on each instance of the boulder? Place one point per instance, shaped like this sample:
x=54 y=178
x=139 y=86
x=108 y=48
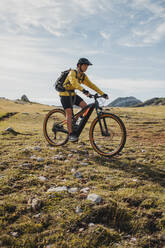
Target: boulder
x=24 y=98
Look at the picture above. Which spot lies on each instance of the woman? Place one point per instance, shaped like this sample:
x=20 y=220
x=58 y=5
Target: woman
x=72 y=82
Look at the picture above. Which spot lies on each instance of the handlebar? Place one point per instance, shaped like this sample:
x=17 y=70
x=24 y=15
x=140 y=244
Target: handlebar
x=95 y=96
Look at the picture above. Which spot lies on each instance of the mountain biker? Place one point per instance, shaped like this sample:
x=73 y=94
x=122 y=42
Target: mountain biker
x=72 y=82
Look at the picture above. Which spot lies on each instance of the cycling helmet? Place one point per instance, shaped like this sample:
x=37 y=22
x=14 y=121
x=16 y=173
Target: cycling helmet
x=84 y=61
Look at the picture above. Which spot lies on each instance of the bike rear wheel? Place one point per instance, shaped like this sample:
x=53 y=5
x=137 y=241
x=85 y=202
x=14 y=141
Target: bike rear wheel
x=107 y=134
x=55 y=127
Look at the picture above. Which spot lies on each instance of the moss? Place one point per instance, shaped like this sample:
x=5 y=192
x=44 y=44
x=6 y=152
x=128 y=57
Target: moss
x=102 y=236
x=6 y=240
x=29 y=227
x=131 y=186
x=112 y=216
x=149 y=203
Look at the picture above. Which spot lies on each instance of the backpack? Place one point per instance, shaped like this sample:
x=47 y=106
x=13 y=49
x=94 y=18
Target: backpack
x=61 y=79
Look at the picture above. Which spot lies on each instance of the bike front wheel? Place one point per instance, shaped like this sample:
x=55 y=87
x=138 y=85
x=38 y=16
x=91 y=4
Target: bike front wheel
x=55 y=127
x=107 y=134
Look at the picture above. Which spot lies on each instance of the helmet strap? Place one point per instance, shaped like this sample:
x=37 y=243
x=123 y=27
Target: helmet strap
x=79 y=68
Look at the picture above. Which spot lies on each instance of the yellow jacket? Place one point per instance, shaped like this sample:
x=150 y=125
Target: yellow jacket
x=72 y=83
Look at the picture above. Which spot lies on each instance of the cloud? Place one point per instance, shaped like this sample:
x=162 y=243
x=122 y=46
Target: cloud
x=63 y=18
x=105 y=35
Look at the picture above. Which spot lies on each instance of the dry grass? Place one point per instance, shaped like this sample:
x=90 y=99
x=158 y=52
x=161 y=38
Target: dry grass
x=131 y=184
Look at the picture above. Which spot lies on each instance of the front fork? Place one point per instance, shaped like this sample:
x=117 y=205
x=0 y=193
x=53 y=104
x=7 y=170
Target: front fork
x=103 y=125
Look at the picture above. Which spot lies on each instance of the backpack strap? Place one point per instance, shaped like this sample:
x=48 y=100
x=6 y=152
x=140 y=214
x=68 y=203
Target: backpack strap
x=82 y=77
x=76 y=73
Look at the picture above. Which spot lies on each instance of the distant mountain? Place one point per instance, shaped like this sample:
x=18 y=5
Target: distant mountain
x=154 y=101
x=125 y=102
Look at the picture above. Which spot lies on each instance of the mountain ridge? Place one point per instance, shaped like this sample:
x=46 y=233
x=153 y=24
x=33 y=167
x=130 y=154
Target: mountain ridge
x=134 y=102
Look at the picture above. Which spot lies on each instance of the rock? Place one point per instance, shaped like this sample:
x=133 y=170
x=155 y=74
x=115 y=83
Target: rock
x=37 y=148
x=39 y=159
x=78 y=210
x=25 y=165
x=78 y=175
x=37 y=215
x=72 y=190
x=133 y=239
x=85 y=190
x=91 y=225
x=11 y=130
x=57 y=189
x=42 y=178
x=15 y=234
x=70 y=155
x=66 y=161
x=36 y=204
x=84 y=164
x=59 y=157
x=73 y=170
x=94 y=198
x=24 y=98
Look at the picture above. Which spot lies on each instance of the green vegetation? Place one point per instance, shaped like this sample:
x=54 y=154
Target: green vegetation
x=131 y=185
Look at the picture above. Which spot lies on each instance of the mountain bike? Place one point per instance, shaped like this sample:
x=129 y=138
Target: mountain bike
x=107 y=133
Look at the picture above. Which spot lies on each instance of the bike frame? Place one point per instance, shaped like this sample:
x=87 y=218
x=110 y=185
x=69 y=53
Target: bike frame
x=89 y=108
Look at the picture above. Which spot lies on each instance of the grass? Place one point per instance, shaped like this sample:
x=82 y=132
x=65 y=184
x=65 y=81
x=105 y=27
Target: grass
x=131 y=213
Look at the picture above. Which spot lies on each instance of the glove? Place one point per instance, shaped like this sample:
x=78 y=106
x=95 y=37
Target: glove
x=86 y=92
x=105 y=96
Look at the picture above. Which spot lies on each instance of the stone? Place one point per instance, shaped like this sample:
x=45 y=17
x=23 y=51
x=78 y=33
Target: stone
x=37 y=148
x=57 y=189
x=11 y=130
x=78 y=175
x=94 y=198
x=73 y=170
x=15 y=234
x=73 y=190
x=58 y=157
x=24 y=98
x=91 y=225
x=78 y=210
x=85 y=190
x=84 y=163
x=36 y=204
x=39 y=159
x=42 y=178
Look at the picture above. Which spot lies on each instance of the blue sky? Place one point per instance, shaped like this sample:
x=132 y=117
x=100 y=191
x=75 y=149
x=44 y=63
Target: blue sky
x=124 y=39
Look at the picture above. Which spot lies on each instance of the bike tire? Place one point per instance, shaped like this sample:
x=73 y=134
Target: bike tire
x=113 y=142
x=59 y=136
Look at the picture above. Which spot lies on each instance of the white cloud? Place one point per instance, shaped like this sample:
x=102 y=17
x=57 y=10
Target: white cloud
x=105 y=35
x=157 y=35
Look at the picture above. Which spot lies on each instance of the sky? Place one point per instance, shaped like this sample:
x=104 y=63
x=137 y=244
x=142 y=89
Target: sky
x=124 y=40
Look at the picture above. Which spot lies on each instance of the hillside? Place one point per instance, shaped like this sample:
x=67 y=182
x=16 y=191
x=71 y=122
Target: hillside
x=125 y=102
x=44 y=191
x=156 y=101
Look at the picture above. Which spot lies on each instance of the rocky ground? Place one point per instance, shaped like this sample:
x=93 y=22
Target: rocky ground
x=72 y=197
